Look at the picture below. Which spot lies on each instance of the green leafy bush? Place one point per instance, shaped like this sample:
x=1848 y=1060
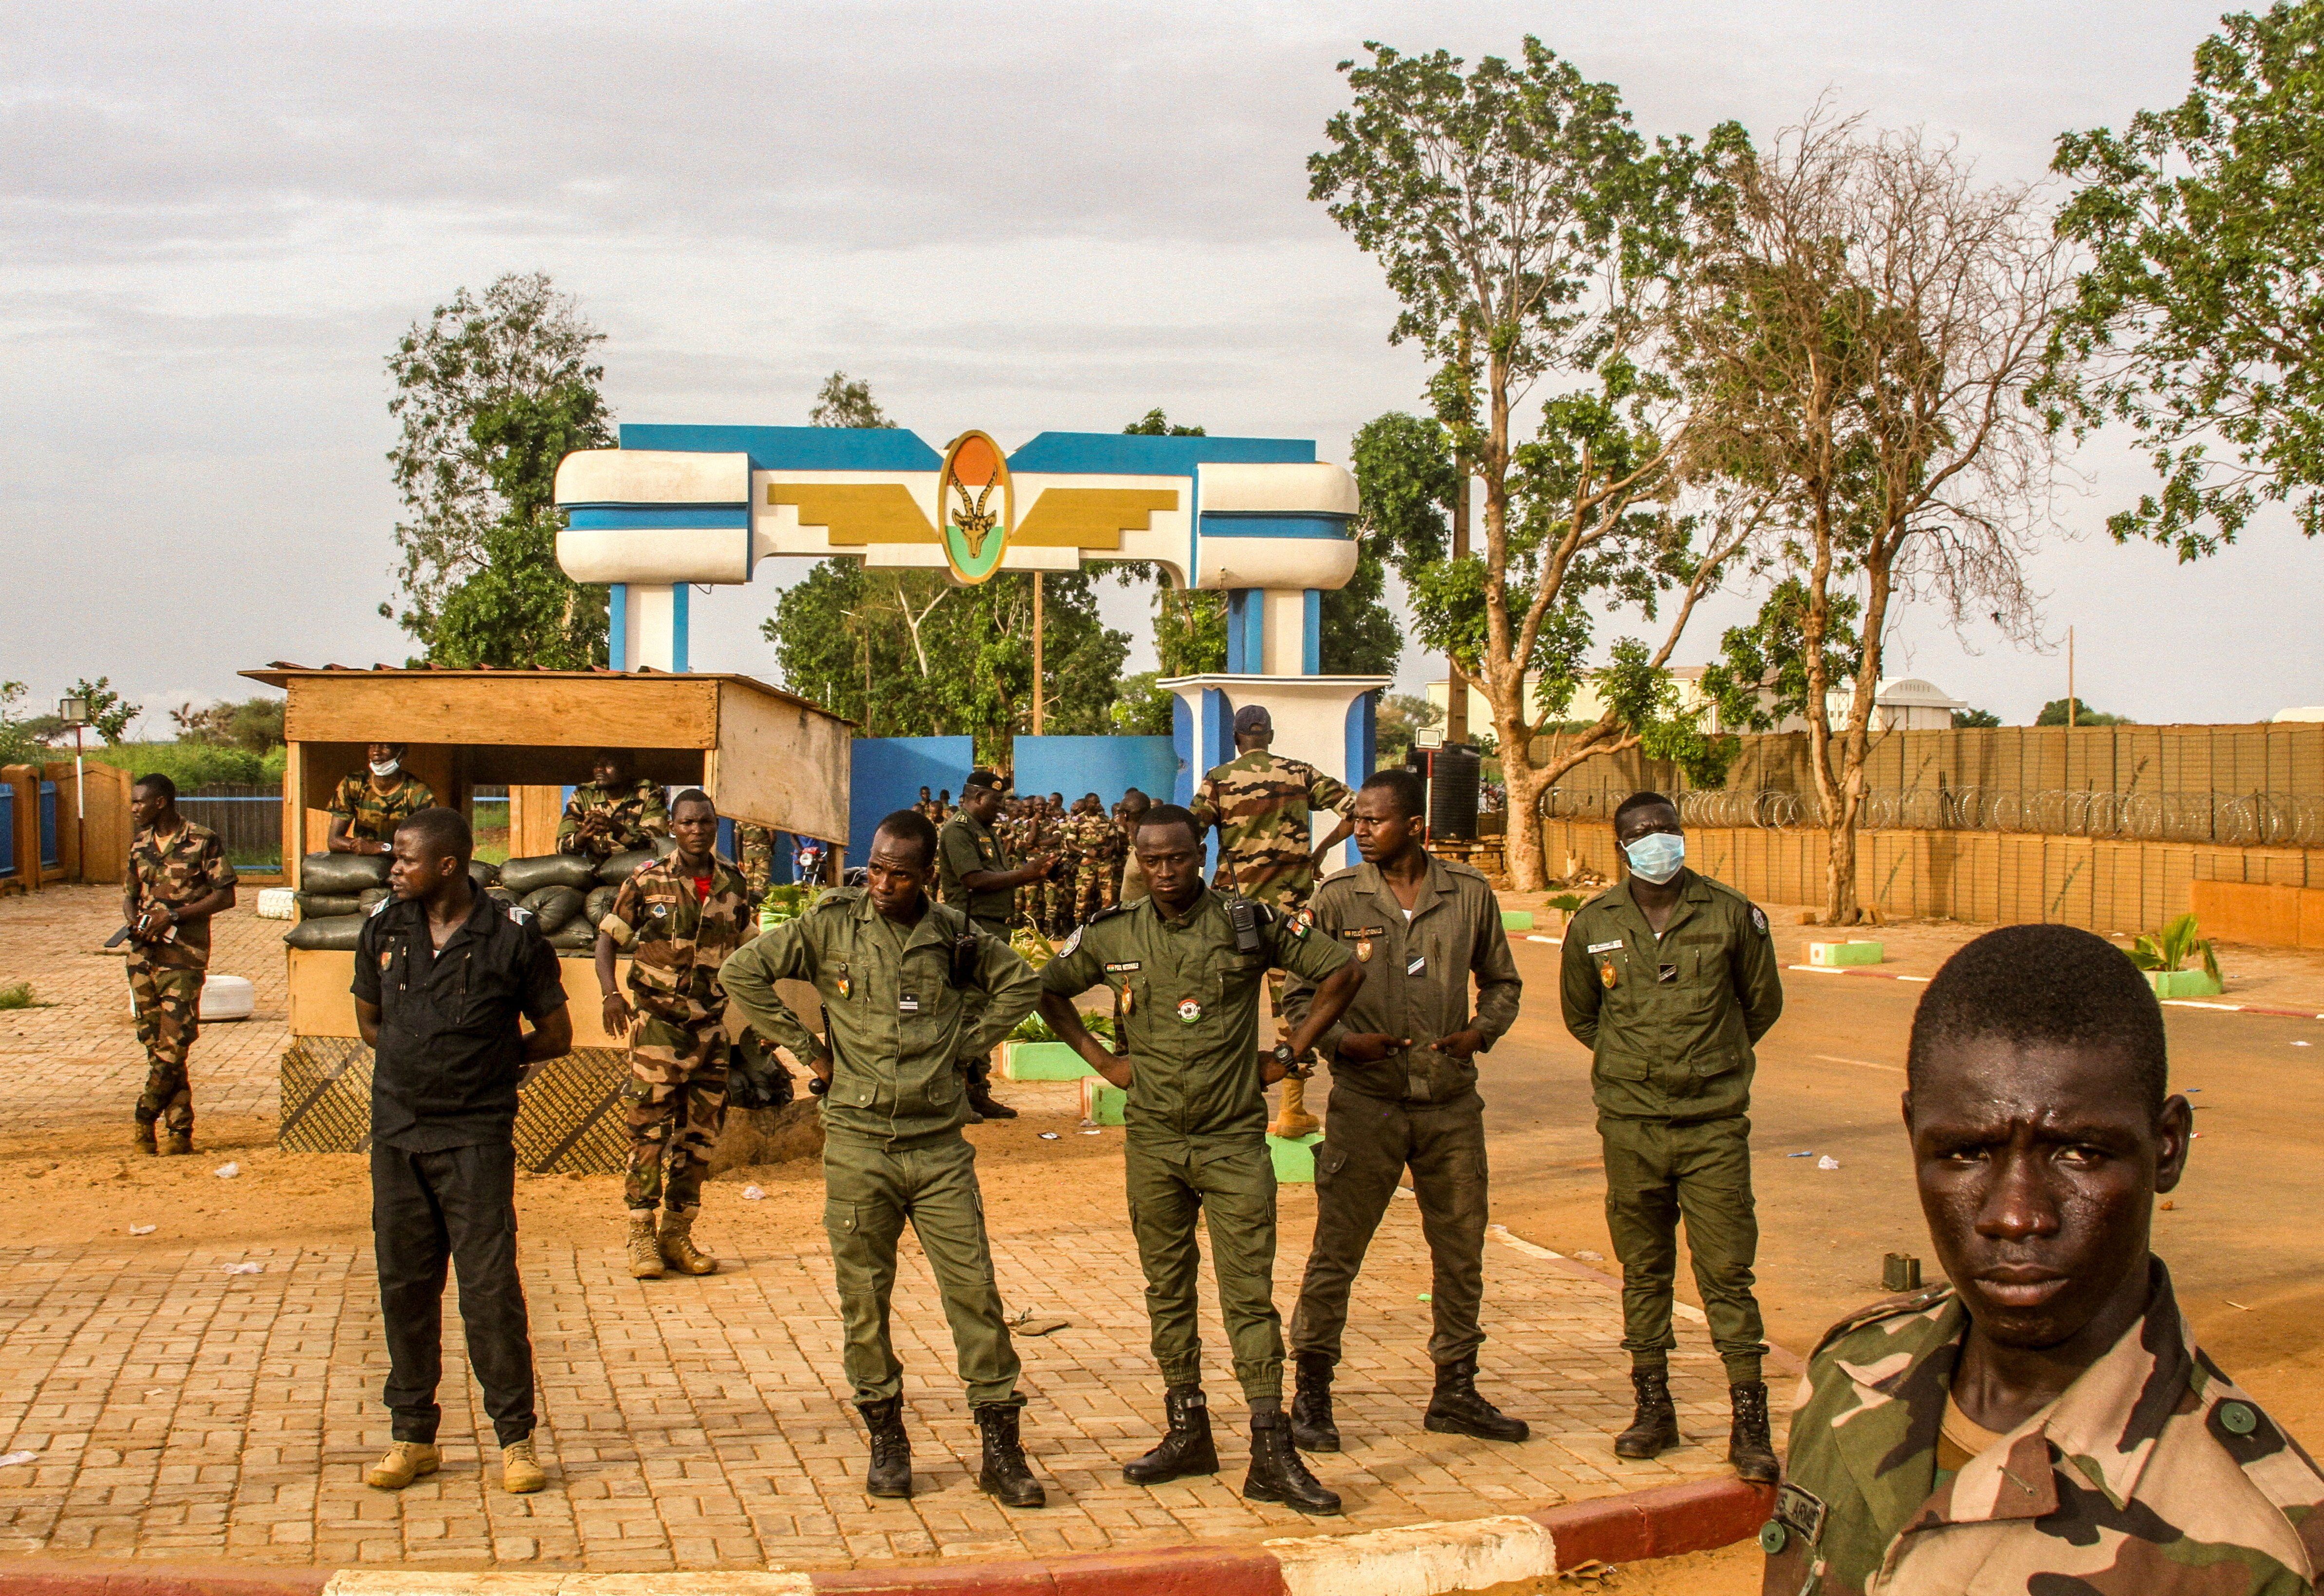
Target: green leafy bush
x=19 y=996
x=2170 y=948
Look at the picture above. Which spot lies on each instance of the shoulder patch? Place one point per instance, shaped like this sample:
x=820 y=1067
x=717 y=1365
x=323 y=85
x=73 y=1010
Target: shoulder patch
x=1072 y=943
x=1887 y=1307
x=1759 y=920
x=520 y=914
x=376 y=908
x=1111 y=911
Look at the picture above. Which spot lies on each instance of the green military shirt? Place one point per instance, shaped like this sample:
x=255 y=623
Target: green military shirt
x=1672 y=1019
x=1188 y=999
x=372 y=815
x=640 y=813
x=1260 y=805
x=2151 y=1474
x=183 y=867
x=898 y=1026
x=963 y=847
x=1417 y=973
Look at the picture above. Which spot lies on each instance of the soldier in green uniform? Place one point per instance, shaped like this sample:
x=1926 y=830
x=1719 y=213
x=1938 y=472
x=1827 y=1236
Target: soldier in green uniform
x=977 y=877
x=1670 y=979
x=679 y=920
x=754 y=847
x=1184 y=964
x=613 y=812
x=909 y=988
x=1260 y=806
x=1404 y=1094
x=2045 y=1422
x=178 y=877
x=369 y=803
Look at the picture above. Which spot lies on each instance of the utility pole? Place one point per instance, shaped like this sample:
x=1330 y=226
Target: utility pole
x=2071 y=706
x=1456 y=684
x=1037 y=653
x=74 y=712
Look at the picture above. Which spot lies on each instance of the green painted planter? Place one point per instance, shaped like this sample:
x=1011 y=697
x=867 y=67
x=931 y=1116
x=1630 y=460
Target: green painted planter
x=1042 y=1061
x=1101 y=1103
x=1294 y=1159
x=1841 y=954
x=1516 y=920
x=2181 y=983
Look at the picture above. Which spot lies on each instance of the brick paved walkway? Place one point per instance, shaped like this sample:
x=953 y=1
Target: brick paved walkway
x=182 y=1412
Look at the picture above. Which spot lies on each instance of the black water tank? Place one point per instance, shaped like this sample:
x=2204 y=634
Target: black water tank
x=1452 y=793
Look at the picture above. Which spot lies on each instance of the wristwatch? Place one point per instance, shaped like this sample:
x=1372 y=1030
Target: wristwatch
x=1284 y=1056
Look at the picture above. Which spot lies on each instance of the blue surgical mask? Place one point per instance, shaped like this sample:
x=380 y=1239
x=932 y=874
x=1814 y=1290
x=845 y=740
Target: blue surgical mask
x=1657 y=856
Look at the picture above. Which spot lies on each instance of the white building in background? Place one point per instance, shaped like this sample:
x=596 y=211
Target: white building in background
x=1901 y=704
x=2305 y=712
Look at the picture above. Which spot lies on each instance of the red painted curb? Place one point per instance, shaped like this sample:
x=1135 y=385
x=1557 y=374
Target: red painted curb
x=30 y=1578
x=1660 y=1522
x=1177 y=1570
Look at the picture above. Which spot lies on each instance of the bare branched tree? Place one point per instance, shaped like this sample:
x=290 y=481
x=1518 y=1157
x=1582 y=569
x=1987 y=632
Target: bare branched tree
x=1872 y=318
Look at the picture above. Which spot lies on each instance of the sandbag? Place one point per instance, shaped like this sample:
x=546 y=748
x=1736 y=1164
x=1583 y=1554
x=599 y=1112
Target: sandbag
x=371 y=898
x=574 y=938
x=598 y=905
x=502 y=896
x=554 y=909
x=483 y=873
x=337 y=932
x=338 y=874
x=320 y=906
x=620 y=867
x=523 y=876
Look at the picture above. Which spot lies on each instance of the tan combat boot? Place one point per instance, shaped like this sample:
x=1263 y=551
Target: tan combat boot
x=678 y=1247
x=519 y=1470
x=404 y=1462
x=141 y=1139
x=645 y=1252
x=180 y=1142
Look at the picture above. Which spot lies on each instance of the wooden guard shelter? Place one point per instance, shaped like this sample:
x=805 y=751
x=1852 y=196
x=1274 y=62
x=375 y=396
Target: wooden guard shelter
x=765 y=756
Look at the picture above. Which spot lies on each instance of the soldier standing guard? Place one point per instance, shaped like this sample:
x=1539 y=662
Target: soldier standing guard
x=612 y=813
x=1184 y=965
x=1260 y=804
x=909 y=988
x=1670 y=979
x=178 y=877
x=754 y=846
x=977 y=877
x=1404 y=1094
x=368 y=803
x=679 y=920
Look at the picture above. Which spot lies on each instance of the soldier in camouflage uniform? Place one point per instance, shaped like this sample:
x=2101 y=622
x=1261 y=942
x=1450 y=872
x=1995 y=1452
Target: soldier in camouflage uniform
x=2046 y=1422
x=1260 y=806
x=612 y=812
x=1096 y=837
x=178 y=877
x=1057 y=908
x=755 y=848
x=369 y=803
x=678 y=919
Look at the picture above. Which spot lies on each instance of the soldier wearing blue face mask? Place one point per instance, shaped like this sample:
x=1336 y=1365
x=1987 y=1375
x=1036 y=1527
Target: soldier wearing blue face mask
x=1670 y=979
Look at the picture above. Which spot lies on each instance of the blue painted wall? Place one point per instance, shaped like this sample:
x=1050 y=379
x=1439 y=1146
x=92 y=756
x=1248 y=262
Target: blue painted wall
x=1107 y=766
x=886 y=774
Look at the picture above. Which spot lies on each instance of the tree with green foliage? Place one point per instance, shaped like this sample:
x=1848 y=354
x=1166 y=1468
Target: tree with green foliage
x=1401 y=716
x=1760 y=678
x=1141 y=707
x=109 y=714
x=491 y=392
x=1869 y=322
x=2054 y=713
x=253 y=724
x=846 y=401
x=2198 y=324
x=1531 y=233
x=1975 y=720
x=20 y=740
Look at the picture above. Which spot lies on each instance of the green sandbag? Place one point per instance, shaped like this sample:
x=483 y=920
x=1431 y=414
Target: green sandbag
x=482 y=873
x=598 y=905
x=370 y=898
x=526 y=876
x=502 y=897
x=576 y=937
x=337 y=932
x=554 y=909
x=321 y=906
x=620 y=867
x=341 y=874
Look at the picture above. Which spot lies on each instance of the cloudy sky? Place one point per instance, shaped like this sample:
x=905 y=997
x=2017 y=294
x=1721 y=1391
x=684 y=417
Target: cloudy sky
x=215 y=220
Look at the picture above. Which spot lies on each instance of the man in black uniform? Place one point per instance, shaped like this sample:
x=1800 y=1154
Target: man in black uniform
x=441 y=976
x=974 y=876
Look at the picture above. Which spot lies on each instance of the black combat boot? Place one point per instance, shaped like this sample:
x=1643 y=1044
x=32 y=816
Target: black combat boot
x=1276 y=1475
x=1312 y=1429
x=1749 y=1446
x=1004 y=1473
x=891 y=1473
x=983 y=1105
x=1187 y=1447
x=1456 y=1409
x=1655 y=1426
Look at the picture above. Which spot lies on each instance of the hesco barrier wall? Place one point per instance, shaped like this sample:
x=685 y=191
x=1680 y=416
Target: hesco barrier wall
x=1980 y=877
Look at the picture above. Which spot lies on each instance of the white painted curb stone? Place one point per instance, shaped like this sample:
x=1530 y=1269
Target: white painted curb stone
x=1417 y=1559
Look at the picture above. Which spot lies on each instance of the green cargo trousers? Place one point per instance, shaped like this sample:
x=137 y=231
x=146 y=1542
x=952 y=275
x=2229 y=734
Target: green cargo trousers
x=1658 y=1172
x=1230 y=1181
x=870 y=1190
x=1367 y=1144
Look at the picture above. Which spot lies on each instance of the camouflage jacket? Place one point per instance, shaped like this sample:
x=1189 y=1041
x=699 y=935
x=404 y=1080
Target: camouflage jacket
x=639 y=815
x=1092 y=838
x=677 y=945
x=2151 y=1474
x=187 y=866
x=372 y=815
x=1260 y=804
